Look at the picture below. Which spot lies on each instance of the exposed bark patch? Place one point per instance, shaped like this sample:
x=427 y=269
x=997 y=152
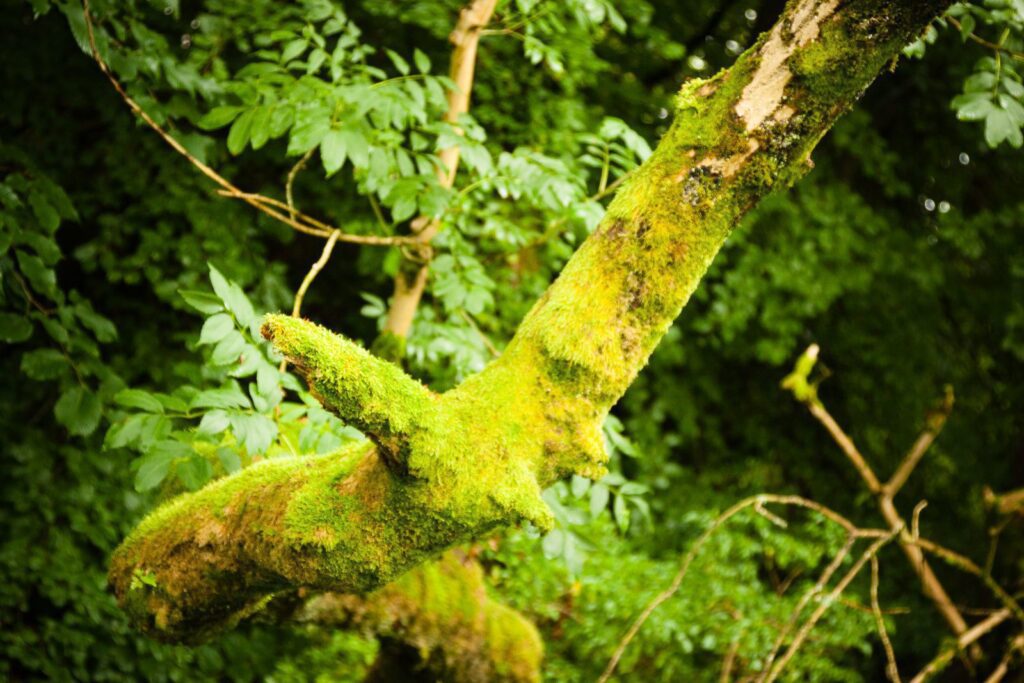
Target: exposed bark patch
x=764 y=95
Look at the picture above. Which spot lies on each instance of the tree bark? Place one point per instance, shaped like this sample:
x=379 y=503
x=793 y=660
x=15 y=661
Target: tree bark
x=447 y=468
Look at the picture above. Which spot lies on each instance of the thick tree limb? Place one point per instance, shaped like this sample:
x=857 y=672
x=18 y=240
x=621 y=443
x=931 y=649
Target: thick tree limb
x=440 y=610
x=460 y=464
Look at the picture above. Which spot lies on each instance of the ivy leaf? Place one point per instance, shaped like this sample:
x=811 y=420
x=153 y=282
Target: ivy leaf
x=14 y=328
x=79 y=410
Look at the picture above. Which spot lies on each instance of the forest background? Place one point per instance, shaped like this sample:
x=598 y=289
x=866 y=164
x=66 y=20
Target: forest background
x=129 y=286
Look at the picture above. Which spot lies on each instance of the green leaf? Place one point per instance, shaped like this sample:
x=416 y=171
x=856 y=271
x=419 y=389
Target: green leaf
x=240 y=131
x=422 y=61
x=218 y=117
x=293 y=49
x=255 y=432
x=216 y=328
x=229 y=459
x=213 y=423
x=194 y=472
x=125 y=432
x=333 y=150
x=357 y=147
x=156 y=463
x=45 y=213
x=44 y=364
x=621 y=513
x=233 y=297
x=579 y=485
x=204 y=302
x=226 y=397
x=1000 y=126
x=79 y=410
x=14 y=328
x=42 y=279
x=396 y=59
x=100 y=326
x=599 y=495
x=310 y=128
x=228 y=350
x=136 y=398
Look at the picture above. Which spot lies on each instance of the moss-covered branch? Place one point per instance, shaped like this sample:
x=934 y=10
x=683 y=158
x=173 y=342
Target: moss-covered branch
x=465 y=462
x=441 y=618
x=369 y=393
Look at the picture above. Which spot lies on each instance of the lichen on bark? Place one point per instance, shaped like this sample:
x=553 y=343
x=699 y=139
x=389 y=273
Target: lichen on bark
x=446 y=468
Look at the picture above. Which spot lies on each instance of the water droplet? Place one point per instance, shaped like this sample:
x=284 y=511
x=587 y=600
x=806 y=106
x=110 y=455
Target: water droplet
x=964 y=158
x=944 y=207
x=194 y=25
x=929 y=205
x=663 y=113
x=732 y=47
x=186 y=41
x=696 y=63
x=750 y=14
x=168 y=10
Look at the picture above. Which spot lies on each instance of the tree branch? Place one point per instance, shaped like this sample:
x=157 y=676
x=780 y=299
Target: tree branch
x=446 y=469
x=297 y=220
x=372 y=394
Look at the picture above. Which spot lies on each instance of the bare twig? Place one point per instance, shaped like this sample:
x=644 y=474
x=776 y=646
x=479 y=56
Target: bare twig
x=797 y=383
x=985 y=43
x=891 y=670
x=290 y=181
x=936 y=421
x=688 y=558
x=314 y=270
x=823 y=605
x=966 y=639
x=805 y=599
x=1003 y=668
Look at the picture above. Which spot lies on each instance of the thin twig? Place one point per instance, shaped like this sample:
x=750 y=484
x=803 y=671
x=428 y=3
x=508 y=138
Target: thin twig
x=965 y=639
x=891 y=670
x=999 y=673
x=805 y=599
x=934 y=426
x=823 y=605
x=300 y=222
x=985 y=43
x=290 y=181
x=314 y=270
x=677 y=581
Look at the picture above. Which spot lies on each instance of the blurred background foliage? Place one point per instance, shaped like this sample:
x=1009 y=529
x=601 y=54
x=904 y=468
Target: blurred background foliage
x=901 y=254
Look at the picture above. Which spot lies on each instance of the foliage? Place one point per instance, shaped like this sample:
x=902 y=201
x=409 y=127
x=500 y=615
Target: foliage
x=900 y=253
